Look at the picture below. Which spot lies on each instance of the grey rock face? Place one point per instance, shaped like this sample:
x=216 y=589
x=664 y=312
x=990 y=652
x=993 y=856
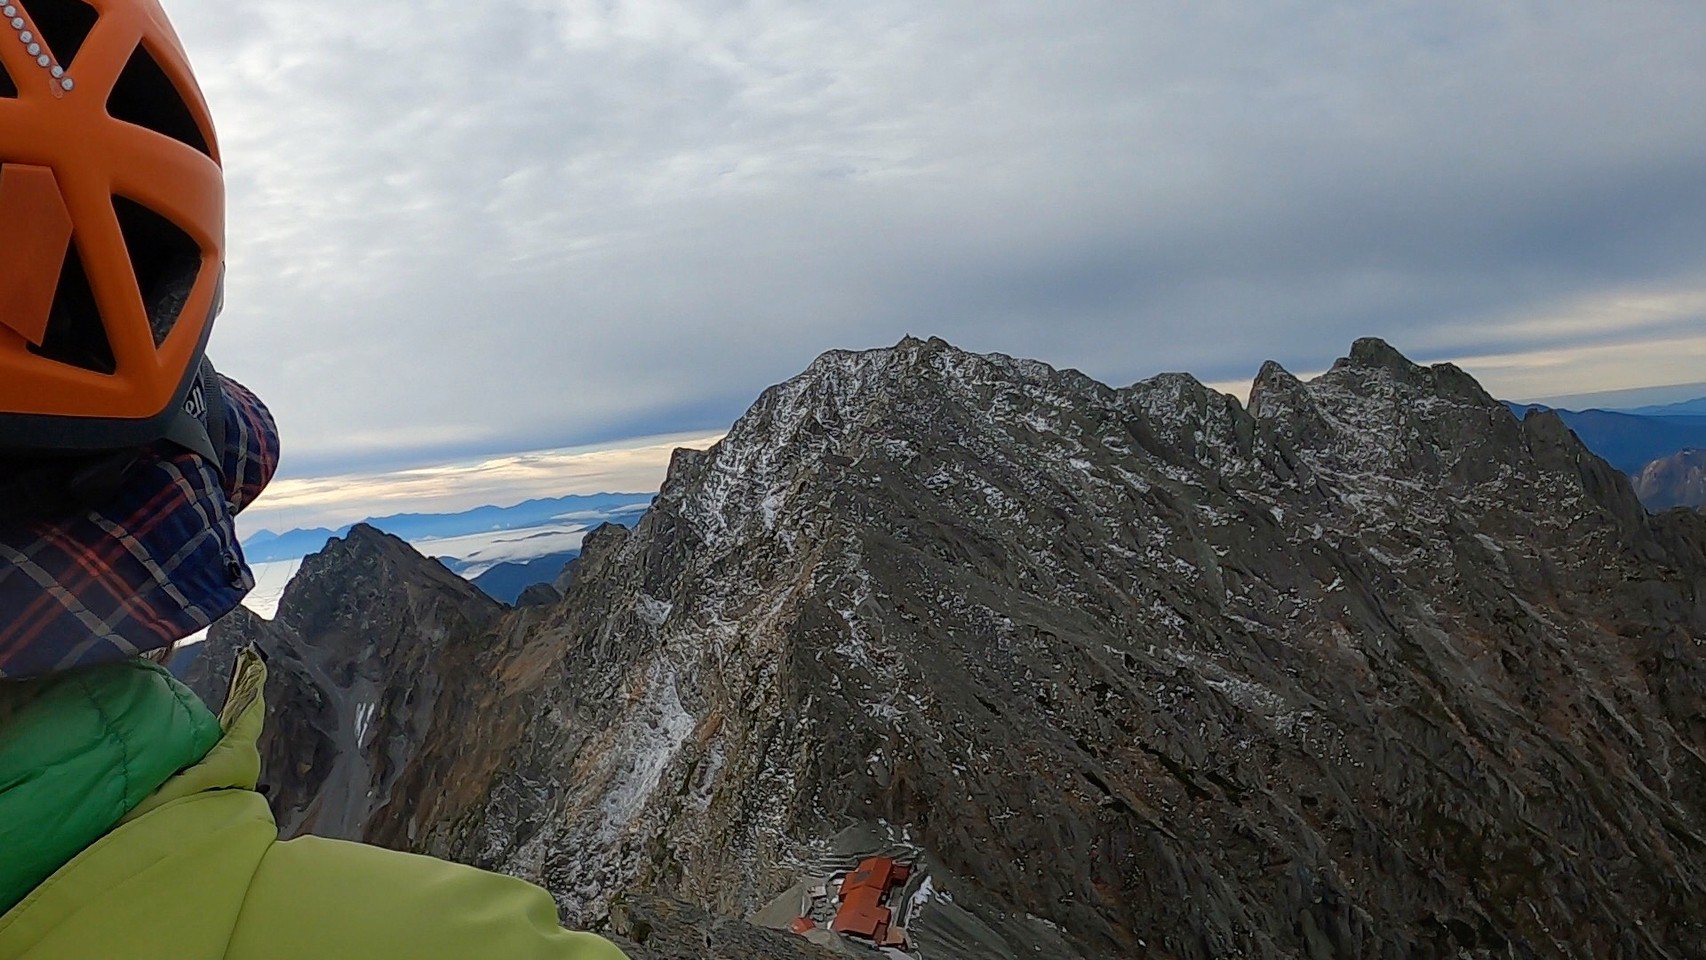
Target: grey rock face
x=1371 y=668
x=1674 y=481
x=354 y=670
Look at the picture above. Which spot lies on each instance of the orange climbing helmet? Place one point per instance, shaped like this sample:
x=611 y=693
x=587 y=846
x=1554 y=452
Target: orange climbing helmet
x=112 y=226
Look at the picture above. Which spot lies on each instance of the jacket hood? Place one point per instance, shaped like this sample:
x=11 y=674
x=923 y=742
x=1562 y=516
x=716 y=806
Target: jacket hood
x=80 y=752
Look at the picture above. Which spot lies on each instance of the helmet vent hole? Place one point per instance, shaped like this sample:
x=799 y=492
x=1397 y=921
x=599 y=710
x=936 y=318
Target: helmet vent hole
x=145 y=96
x=7 y=87
x=63 y=25
x=166 y=261
x=74 y=332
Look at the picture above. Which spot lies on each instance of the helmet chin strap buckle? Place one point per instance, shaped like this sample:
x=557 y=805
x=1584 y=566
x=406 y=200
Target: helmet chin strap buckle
x=199 y=426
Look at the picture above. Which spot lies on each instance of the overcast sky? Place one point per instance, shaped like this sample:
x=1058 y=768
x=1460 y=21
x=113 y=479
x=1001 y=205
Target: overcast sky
x=470 y=229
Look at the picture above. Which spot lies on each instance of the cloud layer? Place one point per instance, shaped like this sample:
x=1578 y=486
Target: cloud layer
x=635 y=466
x=461 y=229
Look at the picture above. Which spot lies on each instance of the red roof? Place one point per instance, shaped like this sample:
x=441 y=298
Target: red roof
x=862 y=894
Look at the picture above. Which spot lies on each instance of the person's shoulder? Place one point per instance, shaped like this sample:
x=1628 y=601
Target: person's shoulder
x=318 y=898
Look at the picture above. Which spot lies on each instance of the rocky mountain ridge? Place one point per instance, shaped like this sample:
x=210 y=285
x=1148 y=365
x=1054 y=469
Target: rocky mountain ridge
x=1369 y=668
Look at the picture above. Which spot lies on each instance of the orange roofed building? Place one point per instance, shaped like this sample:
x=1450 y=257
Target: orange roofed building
x=863 y=893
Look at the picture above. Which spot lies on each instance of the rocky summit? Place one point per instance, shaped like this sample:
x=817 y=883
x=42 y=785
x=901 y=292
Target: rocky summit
x=1368 y=668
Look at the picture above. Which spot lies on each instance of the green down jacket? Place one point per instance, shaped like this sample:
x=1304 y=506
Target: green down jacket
x=130 y=829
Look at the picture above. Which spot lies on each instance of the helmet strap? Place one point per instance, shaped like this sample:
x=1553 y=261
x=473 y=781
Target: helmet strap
x=199 y=426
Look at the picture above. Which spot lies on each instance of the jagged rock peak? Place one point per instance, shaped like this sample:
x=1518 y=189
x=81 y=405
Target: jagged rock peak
x=842 y=406
x=1373 y=355
x=1176 y=383
x=538 y=595
x=842 y=385
x=934 y=357
x=1272 y=376
x=369 y=561
x=605 y=539
x=365 y=545
x=1274 y=389
x=367 y=533
x=1375 y=352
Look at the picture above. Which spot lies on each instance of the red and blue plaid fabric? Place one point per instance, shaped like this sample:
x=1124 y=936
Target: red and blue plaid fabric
x=157 y=562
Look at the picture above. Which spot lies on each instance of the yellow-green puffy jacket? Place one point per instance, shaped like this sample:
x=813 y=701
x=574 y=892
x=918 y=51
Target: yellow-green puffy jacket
x=130 y=828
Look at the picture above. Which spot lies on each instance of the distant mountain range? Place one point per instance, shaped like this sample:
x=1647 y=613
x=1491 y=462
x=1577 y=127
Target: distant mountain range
x=1636 y=400
x=586 y=511
x=502 y=550
x=1687 y=408
x=507 y=580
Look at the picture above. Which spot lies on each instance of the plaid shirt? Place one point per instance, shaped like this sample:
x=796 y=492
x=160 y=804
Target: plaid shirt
x=157 y=562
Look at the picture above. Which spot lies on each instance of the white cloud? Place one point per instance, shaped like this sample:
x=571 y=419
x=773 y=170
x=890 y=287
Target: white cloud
x=1636 y=313
x=1591 y=368
x=534 y=223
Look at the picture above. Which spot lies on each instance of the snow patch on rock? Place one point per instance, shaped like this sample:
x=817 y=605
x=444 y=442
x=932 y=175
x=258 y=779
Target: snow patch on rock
x=648 y=743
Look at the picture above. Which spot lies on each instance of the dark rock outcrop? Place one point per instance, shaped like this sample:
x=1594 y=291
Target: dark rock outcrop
x=1370 y=668
x=538 y=595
